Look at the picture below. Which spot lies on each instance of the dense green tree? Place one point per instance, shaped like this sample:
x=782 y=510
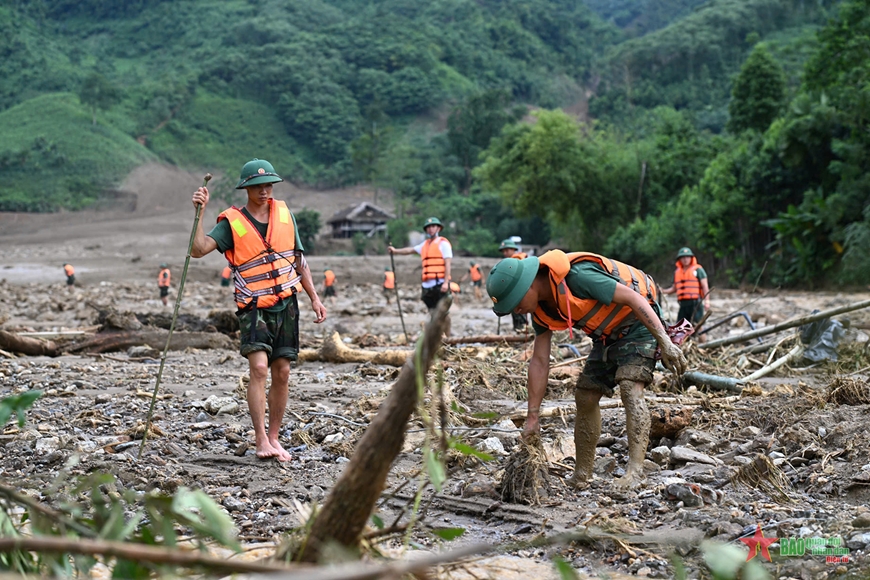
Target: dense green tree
x=309 y=224
x=473 y=124
x=325 y=115
x=98 y=93
x=758 y=94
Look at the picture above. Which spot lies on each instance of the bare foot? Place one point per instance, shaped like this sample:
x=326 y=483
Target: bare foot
x=266 y=451
x=282 y=454
x=631 y=480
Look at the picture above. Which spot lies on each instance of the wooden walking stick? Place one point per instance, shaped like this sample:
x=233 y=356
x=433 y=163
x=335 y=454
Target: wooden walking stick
x=396 y=288
x=205 y=181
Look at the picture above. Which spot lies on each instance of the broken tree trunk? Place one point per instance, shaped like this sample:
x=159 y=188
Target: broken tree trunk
x=156 y=339
x=793 y=354
x=489 y=338
x=335 y=351
x=800 y=321
x=350 y=504
x=25 y=345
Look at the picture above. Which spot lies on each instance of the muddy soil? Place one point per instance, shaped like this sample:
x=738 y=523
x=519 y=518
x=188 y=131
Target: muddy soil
x=787 y=454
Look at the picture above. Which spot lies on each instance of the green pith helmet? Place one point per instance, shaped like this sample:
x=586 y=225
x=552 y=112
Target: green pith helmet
x=508 y=282
x=509 y=244
x=473 y=263
x=164 y=265
x=433 y=221
x=685 y=252
x=257 y=171
x=387 y=270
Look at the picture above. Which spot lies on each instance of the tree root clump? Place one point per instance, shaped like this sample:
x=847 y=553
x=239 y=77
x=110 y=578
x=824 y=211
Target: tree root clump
x=526 y=477
x=847 y=391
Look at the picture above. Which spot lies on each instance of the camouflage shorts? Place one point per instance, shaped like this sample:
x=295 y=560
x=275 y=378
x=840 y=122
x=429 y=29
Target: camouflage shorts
x=277 y=333
x=623 y=359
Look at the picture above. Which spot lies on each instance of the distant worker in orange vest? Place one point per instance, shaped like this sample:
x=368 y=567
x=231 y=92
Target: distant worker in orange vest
x=509 y=249
x=329 y=285
x=437 y=255
x=226 y=276
x=70 y=276
x=389 y=283
x=692 y=289
x=476 y=279
x=262 y=243
x=163 y=279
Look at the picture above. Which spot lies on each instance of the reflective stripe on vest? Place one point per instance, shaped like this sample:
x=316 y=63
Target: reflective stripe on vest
x=69 y=270
x=595 y=318
x=329 y=278
x=686 y=281
x=163 y=278
x=389 y=280
x=475 y=273
x=434 y=267
x=265 y=267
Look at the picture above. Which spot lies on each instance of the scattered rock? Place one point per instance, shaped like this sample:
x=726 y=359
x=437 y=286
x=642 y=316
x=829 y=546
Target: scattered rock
x=684 y=455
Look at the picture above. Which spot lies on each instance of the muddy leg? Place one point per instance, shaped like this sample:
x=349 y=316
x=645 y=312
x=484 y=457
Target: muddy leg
x=259 y=363
x=278 y=404
x=587 y=430
x=637 y=424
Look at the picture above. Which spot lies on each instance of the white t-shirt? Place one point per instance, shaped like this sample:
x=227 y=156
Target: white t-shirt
x=446 y=253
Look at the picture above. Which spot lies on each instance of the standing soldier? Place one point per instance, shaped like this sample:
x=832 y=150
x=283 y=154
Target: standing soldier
x=476 y=279
x=509 y=249
x=329 y=285
x=70 y=276
x=262 y=243
x=692 y=288
x=616 y=305
x=163 y=279
x=389 y=283
x=437 y=254
x=226 y=276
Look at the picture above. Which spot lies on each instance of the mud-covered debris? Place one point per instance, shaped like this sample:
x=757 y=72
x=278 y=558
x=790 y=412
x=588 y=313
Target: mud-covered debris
x=526 y=478
x=763 y=475
x=848 y=391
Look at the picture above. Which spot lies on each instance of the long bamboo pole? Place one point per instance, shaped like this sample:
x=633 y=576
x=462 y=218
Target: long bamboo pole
x=205 y=181
x=786 y=325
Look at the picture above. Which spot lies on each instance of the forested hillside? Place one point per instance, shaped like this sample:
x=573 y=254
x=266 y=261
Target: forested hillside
x=735 y=126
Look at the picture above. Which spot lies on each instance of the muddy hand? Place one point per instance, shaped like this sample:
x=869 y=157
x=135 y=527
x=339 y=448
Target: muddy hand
x=319 y=311
x=673 y=358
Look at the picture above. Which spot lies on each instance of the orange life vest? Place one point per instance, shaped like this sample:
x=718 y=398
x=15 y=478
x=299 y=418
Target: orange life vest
x=475 y=273
x=686 y=281
x=329 y=276
x=69 y=270
x=227 y=273
x=389 y=280
x=520 y=256
x=163 y=278
x=595 y=318
x=265 y=268
x=455 y=288
x=434 y=266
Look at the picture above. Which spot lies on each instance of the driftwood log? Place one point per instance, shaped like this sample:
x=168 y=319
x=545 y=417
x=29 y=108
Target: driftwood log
x=12 y=342
x=154 y=338
x=334 y=350
x=489 y=338
x=350 y=503
x=800 y=321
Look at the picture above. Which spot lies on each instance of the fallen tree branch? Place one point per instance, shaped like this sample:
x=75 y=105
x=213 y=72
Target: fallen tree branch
x=333 y=350
x=793 y=354
x=350 y=503
x=27 y=345
x=800 y=321
x=489 y=338
x=154 y=338
x=139 y=553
